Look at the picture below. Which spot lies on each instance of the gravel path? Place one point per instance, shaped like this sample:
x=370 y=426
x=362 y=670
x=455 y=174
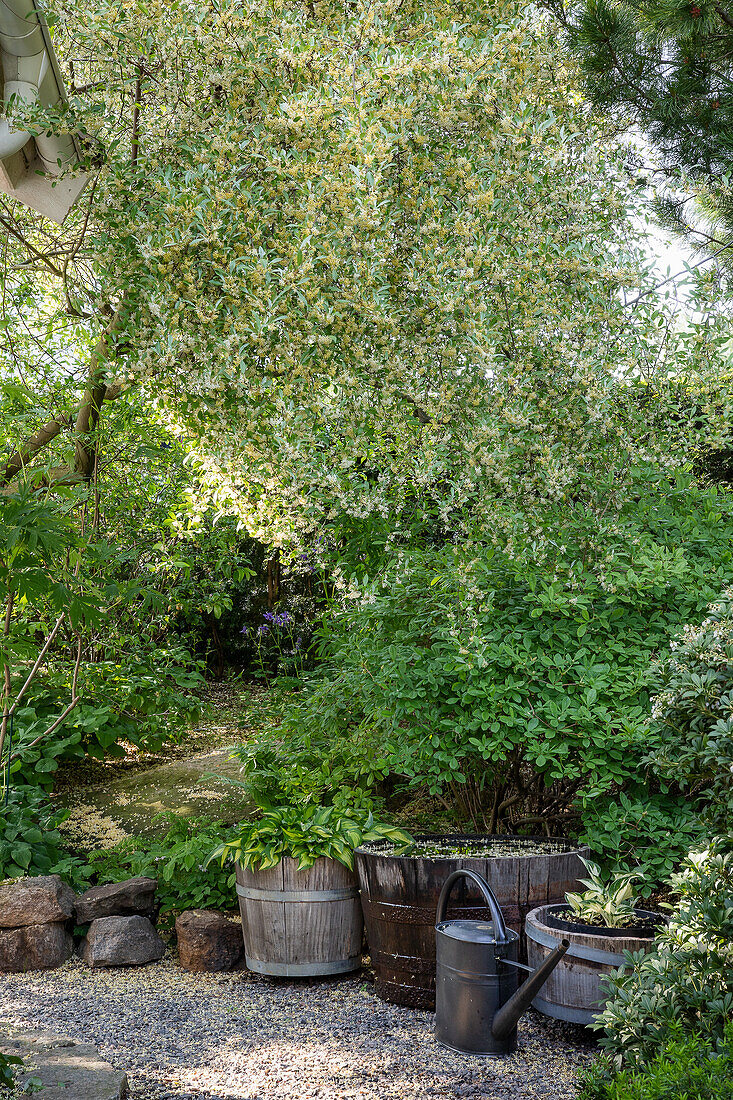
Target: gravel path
x=236 y=1036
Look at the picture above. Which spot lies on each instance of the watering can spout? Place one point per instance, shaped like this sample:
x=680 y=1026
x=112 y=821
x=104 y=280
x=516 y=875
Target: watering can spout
x=507 y=1017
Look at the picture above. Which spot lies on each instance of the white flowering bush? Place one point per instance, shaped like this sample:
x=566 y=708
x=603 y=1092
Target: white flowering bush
x=359 y=254
x=692 y=716
x=685 y=984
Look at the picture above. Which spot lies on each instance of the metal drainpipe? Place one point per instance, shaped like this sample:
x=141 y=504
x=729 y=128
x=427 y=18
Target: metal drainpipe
x=29 y=75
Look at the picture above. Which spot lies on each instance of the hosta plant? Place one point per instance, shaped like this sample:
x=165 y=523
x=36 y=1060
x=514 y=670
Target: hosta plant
x=610 y=901
x=305 y=833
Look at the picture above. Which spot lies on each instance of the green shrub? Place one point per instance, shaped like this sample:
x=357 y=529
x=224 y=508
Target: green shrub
x=637 y=829
x=685 y=1069
x=692 y=718
x=30 y=843
x=517 y=693
x=142 y=699
x=685 y=984
x=178 y=860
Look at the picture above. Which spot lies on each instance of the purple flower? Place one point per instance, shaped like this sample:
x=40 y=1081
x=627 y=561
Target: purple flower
x=244 y=631
x=262 y=630
x=270 y=617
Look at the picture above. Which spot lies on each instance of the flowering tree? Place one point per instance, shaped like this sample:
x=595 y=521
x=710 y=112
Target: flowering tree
x=363 y=252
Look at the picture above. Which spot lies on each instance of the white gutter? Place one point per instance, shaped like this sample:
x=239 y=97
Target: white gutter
x=31 y=75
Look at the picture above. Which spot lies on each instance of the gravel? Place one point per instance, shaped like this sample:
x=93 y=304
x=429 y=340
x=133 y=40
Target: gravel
x=183 y=1036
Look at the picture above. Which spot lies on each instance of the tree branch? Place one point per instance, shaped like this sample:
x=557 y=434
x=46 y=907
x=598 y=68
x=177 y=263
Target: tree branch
x=32 y=446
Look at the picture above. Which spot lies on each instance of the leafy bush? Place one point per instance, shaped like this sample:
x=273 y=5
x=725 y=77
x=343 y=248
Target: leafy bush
x=642 y=830
x=515 y=692
x=685 y=984
x=692 y=718
x=305 y=833
x=178 y=860
x=30 y=843
x=142 y=699
x=685 y=1069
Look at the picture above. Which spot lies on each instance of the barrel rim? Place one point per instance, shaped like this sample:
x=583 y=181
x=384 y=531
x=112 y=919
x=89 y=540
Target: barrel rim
x=629 y=931
x=602 y=931
x=570 y=847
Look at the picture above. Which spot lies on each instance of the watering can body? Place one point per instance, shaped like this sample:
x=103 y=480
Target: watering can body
x=477 y=1000
x=472 y=983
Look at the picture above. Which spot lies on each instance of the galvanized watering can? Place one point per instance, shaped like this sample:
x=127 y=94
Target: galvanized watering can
x=477 y=1002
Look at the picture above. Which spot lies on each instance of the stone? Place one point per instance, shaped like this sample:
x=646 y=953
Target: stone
x=117 y=899
x=122 y=941
x=34 y=947
x=66 y=1069
x=208 y=940
x=43 y=900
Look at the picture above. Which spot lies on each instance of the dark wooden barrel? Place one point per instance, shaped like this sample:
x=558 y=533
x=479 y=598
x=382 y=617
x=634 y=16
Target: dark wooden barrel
x=574 y=991
x=299 y=924
x=399 y=895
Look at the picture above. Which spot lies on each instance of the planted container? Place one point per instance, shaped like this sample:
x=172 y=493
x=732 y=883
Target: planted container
x=575 y=991
x=300 y=924
x=399 y=895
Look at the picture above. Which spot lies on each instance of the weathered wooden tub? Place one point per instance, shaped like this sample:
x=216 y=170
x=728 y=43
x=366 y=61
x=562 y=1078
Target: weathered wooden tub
x=574 y=991
x=399 y=895
x=300 y=924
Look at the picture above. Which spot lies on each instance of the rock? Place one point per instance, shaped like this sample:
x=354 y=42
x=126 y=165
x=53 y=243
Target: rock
x=67 y=1070
x=122 y=941
x=117 y=899
x=42 y=900
x=208 y=940
x=34 y=947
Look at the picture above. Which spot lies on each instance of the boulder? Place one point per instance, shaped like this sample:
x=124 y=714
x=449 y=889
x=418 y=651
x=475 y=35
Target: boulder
x=43 y=900
x=122 y=941
x=67 y=1070
x=208 y=940
x=117 y=899
x=34 y=947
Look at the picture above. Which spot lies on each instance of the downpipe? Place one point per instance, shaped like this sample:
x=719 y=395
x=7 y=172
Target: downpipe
x=27 y=73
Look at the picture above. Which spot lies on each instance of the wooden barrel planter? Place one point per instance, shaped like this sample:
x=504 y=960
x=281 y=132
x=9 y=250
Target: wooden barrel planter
x=300 y=924
x=399 y=895
x=574 y=991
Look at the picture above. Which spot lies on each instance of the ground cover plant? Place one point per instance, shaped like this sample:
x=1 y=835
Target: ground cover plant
x=179 y=860
x=686 y=1067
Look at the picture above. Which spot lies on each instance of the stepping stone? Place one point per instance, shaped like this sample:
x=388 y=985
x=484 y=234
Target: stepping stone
x=66 y=1069
x=117 y=899
x=122 y=941
x=40 y=900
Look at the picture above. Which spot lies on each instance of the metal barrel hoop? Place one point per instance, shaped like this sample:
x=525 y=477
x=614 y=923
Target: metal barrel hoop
x=492 y=904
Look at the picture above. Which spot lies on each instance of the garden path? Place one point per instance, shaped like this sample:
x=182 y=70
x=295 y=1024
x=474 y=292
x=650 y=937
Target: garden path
x=182 y=1036
x=113 y=798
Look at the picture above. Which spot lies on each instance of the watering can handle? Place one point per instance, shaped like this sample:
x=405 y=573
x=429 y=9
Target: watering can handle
x=493 y=905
